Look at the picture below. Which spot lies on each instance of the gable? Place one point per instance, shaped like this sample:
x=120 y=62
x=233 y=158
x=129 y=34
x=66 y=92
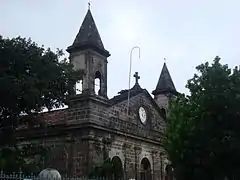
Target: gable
x=138 y=98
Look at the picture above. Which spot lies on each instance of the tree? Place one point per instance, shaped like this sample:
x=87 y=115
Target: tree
x=31 y=78
x=110 y=169
x=28 y=158
x=203 y=137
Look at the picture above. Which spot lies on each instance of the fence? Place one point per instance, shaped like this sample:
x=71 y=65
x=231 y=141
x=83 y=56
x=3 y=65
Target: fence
x=22 y=176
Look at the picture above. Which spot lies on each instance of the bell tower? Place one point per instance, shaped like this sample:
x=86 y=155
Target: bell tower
x=87 y=53
x=165 y=89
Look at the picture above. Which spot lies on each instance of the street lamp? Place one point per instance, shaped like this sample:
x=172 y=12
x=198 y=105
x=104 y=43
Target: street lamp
x=130 y=72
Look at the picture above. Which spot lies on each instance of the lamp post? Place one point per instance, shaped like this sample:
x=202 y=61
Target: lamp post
x=130 y=73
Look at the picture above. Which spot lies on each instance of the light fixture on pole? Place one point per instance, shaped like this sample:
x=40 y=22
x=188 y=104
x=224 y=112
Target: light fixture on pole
x=130 y=73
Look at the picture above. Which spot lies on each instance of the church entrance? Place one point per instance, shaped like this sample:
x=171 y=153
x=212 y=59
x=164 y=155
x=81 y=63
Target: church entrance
x=145 y=172
x=117 y=168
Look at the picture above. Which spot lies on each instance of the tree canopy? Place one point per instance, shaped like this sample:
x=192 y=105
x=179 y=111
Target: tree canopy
x=203 y=137
x=31 y=78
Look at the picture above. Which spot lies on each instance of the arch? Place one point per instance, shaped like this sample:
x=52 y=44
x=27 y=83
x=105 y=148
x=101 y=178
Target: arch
x=117 y=168
x=114 y=152
x=164 y=113
x=169 y=172
x=97 y=83
x=79 y=86
x=145 y=169
x=145 y=154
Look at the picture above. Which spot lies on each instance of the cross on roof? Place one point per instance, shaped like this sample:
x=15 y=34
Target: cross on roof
x=137 y=77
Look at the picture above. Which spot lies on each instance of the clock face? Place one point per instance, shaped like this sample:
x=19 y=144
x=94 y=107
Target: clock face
x=142 y=115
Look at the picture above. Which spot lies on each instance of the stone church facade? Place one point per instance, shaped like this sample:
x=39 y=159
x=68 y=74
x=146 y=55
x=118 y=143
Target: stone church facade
x=95 y=127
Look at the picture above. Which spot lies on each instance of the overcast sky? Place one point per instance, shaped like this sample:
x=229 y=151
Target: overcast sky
x=185 y=32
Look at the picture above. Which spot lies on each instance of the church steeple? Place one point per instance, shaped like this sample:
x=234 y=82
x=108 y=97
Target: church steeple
x=165 y=89
x=87 y=53
x=88 y=37
x=165 y=84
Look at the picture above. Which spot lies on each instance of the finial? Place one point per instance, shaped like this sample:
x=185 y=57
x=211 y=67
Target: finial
x=89 y=4
x=165 y=60
x=137 y=77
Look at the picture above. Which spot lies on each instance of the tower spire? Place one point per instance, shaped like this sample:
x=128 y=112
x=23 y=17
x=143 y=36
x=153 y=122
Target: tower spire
x=88 y=36
x=88 y=54
x=165 y=84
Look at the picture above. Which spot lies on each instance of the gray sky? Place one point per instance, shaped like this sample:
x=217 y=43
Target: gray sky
x=186 y=32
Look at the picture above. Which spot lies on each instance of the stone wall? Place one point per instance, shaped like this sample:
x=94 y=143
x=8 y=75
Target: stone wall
x=131 y=152
x=92 y=130
x=68 y=153
x=115 y=118
x=130 y=140
x=162 y=101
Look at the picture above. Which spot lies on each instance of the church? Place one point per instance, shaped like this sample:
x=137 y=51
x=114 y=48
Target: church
x=128 y=129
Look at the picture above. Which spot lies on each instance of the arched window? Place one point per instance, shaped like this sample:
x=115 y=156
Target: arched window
x=78 y=86
x=145 y=171
x=164 y=114
x=97 y=83
x=169 y=172
x=117 y=168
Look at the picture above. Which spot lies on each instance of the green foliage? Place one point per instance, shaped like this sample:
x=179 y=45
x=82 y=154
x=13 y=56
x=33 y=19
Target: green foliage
x=31 y=78
x=109 y=169
x=203 y=137
x=28 y=157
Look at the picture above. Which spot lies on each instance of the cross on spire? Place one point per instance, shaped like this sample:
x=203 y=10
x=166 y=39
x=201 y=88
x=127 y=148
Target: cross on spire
x=137 y=77
x=89 y=4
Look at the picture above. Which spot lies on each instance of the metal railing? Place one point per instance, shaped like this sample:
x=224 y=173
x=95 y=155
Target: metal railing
x=22 y=176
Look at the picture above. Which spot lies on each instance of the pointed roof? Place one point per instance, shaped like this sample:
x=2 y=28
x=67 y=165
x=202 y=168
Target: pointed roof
x=88 y=37
x=165 y=83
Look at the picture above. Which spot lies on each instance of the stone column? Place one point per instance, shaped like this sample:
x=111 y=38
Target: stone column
x=125 y=160
x=153 y=153
x=137 y=169
x=126 y=147
x=161 y=165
